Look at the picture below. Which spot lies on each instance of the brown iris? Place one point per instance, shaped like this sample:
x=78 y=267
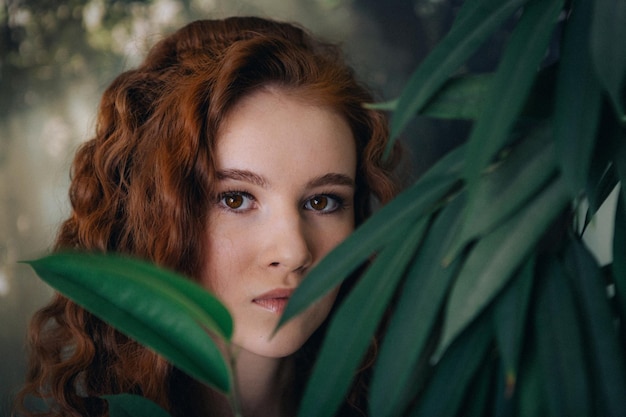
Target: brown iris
x=233 y=201
x=319 y=202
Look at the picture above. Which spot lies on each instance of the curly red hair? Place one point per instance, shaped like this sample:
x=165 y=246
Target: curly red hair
x=141 y=186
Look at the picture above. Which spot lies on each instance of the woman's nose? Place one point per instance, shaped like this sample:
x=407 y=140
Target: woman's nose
x=288 y=242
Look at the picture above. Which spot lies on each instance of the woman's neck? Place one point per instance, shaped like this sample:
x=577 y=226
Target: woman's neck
x=264 y=385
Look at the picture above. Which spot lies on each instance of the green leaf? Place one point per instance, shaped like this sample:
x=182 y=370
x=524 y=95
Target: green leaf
x=495 y=257
x=463 y=98
x=607 y=49
x=619 y=235
x=460 y=98
x=509 y=315
x=559 y=346
x=607 y=356
x=417 y=201
x=577 y=106
x=511 y=87
x=603 y=169
x=540 y=104
x=531 y=398
x=354 y=324
x=453 y=374
x=128 y=405
x=501 y=394
x=479 y=395
x=385 y=105
x=599 y=187
x=414 y=316
x=157 y=308
x=619 y=254
x=507 y=186
x=459 y=44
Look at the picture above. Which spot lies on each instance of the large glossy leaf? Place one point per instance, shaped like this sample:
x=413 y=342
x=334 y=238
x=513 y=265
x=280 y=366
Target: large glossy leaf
x=480 y=19
x=607 y=49
x=419 y=200
x=577 y=107
x=354 y=324
x=453 y=374
x=510 y=318
x=495 y=257
x=128 y=405
x=414 y=316
x=607 y=356
x=507 y=186
x=157 y=308
x=511 y=87
x=560 y=346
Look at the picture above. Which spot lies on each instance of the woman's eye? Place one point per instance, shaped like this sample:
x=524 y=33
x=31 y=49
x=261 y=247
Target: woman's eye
x=236 y=201
x=323 y=203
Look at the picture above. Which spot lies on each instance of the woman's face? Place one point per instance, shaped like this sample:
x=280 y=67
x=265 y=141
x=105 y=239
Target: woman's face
x=284 y=198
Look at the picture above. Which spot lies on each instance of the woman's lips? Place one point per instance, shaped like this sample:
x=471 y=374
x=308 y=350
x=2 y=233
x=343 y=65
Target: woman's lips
x=275 y=300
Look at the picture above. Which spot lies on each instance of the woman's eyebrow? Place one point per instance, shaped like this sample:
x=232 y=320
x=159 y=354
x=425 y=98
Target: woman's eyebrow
x=256 y=179
x=331 y=179
x=242 y=175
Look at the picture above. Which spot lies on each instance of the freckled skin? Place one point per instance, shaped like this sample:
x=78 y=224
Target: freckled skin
x=284 y=200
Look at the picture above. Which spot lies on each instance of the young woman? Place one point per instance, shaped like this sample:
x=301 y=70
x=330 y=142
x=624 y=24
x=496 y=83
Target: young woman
x=238 y=154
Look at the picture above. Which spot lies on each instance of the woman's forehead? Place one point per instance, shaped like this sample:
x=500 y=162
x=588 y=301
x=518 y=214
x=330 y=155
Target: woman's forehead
x=269 y=127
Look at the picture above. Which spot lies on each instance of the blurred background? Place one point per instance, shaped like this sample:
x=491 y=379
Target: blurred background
x=57 y=57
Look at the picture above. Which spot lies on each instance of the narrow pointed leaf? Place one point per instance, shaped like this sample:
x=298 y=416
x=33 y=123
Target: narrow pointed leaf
x=354 y=324
x=607 y=50
x=419 y=200
x=599 y=190
x=531 y=397
x=607 y=355
x=414 y=316
x=502 y=394
x=463 y=98
x=510 y=318
x=619 y=254
x=559 y=346
x=460 y=98
x=128 y=405
x=603 y=172
x=384 y=105
x=507 y=186
x=453 y=374
x=459 y=44
x=511 y=86
x=619 y=235
x=578 y=99
x=146 y=304
x=480 y=392
x=495 y=257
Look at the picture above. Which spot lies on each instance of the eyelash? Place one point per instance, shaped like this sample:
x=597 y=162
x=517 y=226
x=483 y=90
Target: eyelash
x=338 y=200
